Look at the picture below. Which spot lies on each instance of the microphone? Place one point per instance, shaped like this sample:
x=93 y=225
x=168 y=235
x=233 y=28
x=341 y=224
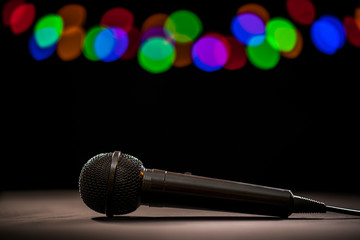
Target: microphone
x=117 y=183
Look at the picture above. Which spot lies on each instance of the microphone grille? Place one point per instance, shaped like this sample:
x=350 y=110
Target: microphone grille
x=93 y=183
x=127 y=186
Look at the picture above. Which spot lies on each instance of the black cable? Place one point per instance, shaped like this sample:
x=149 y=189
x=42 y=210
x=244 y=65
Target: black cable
x=306 y=205
x=343 y=210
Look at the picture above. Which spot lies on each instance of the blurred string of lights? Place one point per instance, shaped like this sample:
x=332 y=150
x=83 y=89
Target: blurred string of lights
x=177 y=39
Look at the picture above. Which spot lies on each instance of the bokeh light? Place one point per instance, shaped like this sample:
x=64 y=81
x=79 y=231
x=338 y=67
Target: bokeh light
x=134 y=44
x=264 y=56
x=8 y=10
x=73 y=15
x=336 y=22
x=295 y=52
x=72 y=39
x=48 y=30
x=89 y=43
x=71 y=44
x=281 y=34
x=118 y=17
x=328 y=35
x=352 y=26
x=40 y=53
x=22 y=18
x=156 y=55
x=155 y=20
x=157 y=31
x=183 y=54
x=165 y=40
x=184 y=25
x=255 y=9
x=301 y=11
x=210 y=53
x=237 y=58
x=110 y=44
x=104 y=43
x=357 y=14
x=248 y=28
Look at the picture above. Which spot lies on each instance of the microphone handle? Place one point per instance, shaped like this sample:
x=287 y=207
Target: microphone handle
x=168 y=189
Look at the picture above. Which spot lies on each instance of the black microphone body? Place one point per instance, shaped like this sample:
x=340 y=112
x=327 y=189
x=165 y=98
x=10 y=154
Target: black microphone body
x=116 y=183
x=168 y=189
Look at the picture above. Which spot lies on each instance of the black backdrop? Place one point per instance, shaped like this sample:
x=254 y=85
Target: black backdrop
x=295 y=126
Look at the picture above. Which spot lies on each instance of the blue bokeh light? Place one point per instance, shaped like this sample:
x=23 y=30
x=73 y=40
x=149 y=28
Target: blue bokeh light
x=210 y=53
x=328 y=35
x=249 y=29
x=110 y=44
x=39 y=53
x=340 y=27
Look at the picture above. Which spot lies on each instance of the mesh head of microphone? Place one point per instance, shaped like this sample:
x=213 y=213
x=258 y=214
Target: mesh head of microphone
x=94 y=180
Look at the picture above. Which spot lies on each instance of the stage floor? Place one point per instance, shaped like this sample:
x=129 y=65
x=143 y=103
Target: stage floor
x=62 y=215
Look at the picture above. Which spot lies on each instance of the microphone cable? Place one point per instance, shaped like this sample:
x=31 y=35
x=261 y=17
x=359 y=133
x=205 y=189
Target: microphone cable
x=307 y=205
x=343 y=210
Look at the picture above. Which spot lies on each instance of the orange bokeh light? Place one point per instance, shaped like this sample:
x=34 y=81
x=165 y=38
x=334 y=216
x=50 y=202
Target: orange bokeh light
x=71 y=44
x=155 y=20
x=73 y=15
x=295 y=52
x=183 y=54
x=256 y=9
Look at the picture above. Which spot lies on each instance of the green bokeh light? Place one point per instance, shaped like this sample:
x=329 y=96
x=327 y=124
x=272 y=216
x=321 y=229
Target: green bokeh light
x=89 y=51
x=156 y=55
x=281 y=34
x=184 y=25
x=48 y=30
x=263 y=56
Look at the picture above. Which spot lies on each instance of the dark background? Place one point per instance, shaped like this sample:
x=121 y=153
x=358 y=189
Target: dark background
x=295 y=126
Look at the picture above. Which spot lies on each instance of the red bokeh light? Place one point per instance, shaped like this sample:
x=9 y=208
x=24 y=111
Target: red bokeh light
x=118 y=17
x=301 y=11
x=8 y=9
x=134 y=44
x=238 y=57
x=352 y=28
x=22 y=18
